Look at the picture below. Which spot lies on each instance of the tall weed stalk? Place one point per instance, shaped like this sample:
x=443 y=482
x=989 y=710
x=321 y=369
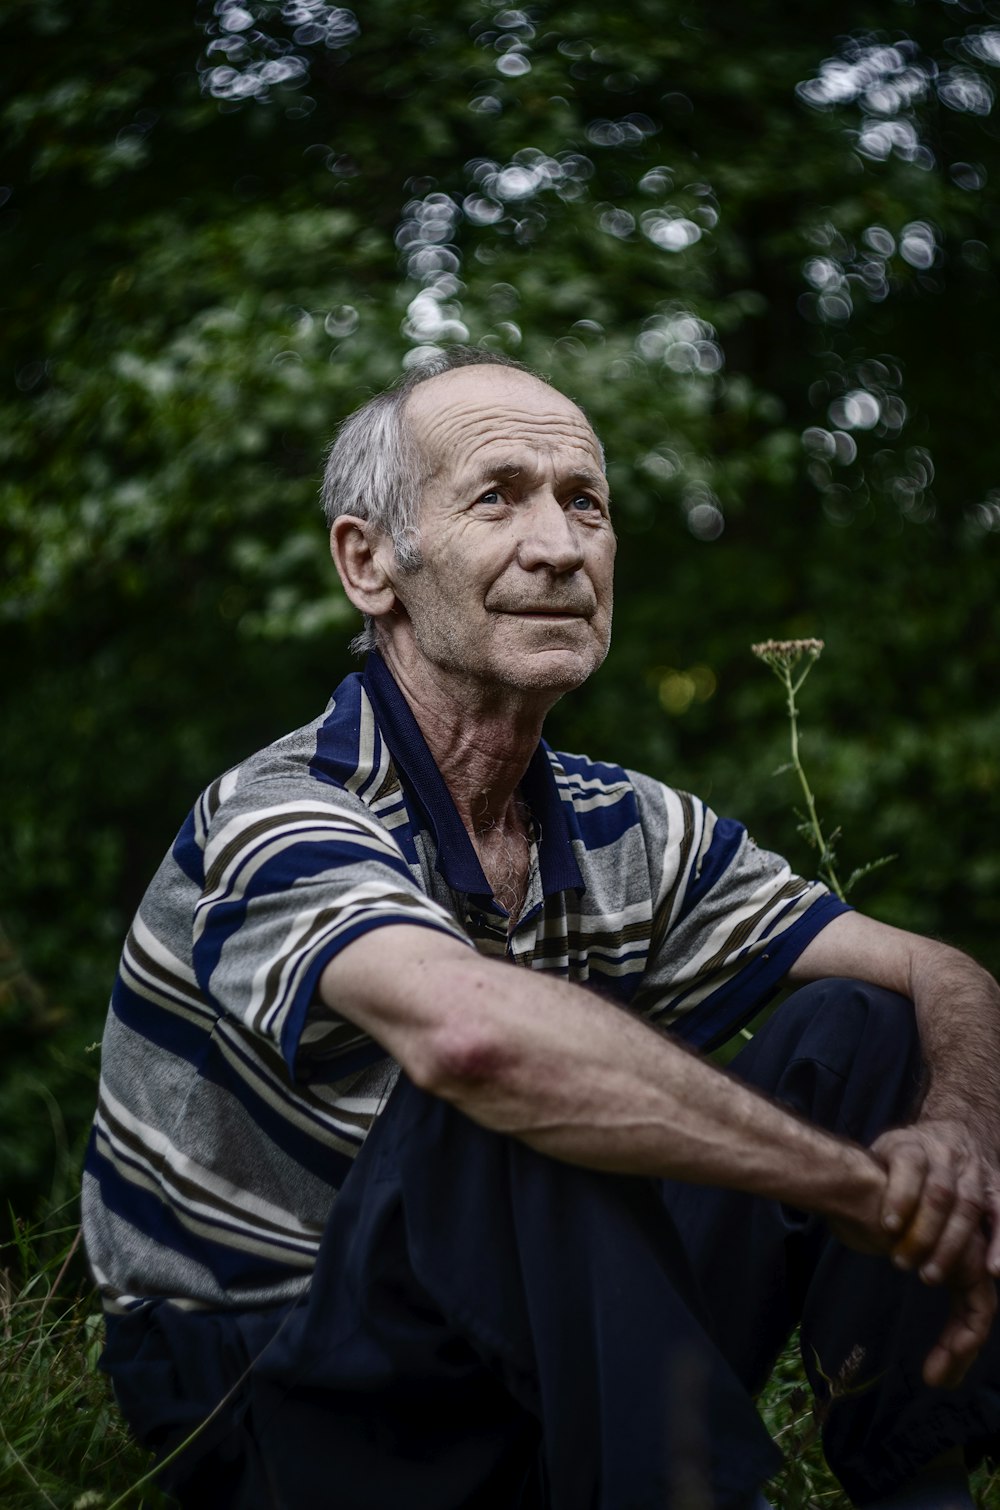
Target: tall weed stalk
x=787 y=1405
x=791 y=661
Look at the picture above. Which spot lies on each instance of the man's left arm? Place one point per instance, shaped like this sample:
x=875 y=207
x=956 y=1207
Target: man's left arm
x=944 y=1168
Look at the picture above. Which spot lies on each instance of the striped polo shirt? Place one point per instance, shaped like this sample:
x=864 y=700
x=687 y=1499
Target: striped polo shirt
x=232 y=1101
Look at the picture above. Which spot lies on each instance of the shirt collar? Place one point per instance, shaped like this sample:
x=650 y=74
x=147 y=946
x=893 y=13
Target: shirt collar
x=457 y=861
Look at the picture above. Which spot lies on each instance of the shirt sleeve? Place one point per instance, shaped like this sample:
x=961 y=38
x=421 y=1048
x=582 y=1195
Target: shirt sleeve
x=291 y=877
x=729 y=918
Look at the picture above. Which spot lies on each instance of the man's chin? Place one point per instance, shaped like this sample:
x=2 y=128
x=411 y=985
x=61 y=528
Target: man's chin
x=557 y=670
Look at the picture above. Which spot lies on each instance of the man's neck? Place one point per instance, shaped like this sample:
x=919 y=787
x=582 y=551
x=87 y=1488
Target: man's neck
x=481 y=744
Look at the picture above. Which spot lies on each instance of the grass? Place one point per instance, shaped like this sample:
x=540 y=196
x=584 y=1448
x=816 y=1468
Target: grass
x=805 y=1482
x=62 y=1442
x=63 y=1445
x=786 y=1408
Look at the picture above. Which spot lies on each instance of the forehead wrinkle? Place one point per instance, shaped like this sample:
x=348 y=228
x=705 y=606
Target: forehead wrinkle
x=504 y=469
x=460 y=425
x=452 y=424
x=531 y=449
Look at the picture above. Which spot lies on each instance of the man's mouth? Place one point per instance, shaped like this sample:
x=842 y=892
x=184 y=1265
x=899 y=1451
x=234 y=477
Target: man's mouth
x=547 y=613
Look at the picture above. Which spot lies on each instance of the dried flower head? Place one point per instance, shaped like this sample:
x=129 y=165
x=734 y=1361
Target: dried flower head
x=784 y=654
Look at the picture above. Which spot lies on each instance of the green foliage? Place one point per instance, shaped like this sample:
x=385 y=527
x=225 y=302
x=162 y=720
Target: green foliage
x=62 y=1442
x=805 y=1482
x=786 y=1408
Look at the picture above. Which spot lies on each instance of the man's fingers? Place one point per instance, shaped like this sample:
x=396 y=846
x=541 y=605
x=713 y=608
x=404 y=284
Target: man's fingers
x=993 y=1228
x=948 y=1211
x=937 y=1207
x=906 y=1169
x=958 y=1242
x=952 y=1241
x=966 y=1330
x=938 y=1191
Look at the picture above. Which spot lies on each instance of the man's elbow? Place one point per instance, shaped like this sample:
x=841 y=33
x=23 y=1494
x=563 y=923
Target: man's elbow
x=459 y=1059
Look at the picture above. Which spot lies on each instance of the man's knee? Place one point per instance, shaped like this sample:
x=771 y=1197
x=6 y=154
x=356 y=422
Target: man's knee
x=844 y=1053
x=837 y=1018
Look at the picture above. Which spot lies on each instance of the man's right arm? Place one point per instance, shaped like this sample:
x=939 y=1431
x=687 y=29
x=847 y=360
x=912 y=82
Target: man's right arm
x=584 y=1081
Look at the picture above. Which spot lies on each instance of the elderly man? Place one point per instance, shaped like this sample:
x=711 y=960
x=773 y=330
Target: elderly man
x=387 y=1221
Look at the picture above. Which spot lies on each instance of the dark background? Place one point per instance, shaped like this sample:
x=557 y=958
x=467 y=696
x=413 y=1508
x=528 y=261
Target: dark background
x=757 y=242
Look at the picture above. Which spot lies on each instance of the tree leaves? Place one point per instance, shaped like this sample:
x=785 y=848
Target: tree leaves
x=757 y=248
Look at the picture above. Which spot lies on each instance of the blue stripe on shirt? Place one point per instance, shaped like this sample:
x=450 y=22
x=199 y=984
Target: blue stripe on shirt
x=721 y=1014
x=144 y=1210
x=727 y=838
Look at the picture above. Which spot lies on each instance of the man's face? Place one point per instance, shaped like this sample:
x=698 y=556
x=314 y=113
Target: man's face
x=514 y=589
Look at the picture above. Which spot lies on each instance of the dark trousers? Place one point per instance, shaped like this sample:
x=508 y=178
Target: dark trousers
x=488 y=1327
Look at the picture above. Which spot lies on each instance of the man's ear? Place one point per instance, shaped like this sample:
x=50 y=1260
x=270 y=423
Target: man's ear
x=361 y=555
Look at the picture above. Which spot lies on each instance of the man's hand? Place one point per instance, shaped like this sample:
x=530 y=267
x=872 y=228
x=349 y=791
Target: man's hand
x=940 y=1206
x=862 y=1226
x=940 y=1188
x=905 y=1162
x=973 y=1308
x=940 y=1194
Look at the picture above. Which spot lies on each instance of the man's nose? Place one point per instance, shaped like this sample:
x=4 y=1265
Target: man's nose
x=548 y=538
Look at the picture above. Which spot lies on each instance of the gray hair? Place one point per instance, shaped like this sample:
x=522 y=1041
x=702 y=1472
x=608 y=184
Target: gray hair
x=374 y=468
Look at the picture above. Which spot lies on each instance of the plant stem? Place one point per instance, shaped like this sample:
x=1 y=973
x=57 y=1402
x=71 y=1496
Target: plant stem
x=826 y=866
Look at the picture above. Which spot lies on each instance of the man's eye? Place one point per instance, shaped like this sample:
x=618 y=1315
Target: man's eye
x=582 y=502
x=491 y=497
